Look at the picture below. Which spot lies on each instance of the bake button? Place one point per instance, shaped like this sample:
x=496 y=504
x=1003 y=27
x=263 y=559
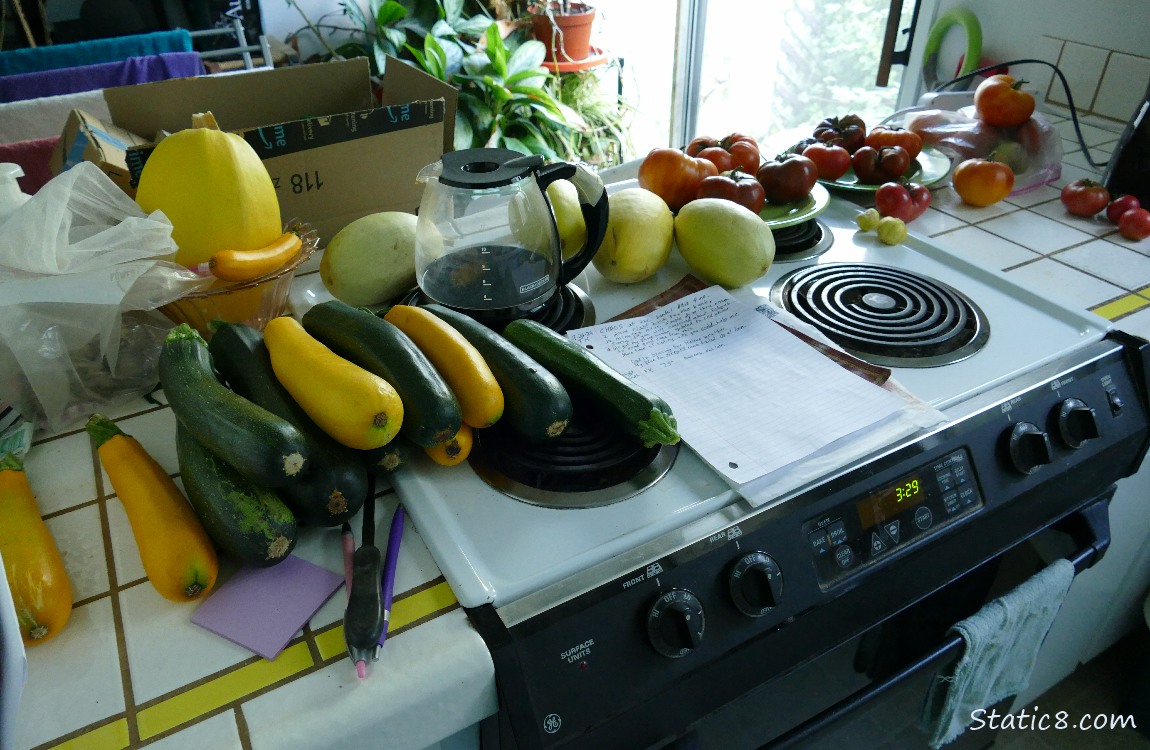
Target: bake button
x=844 y=556
x=837 y=532
x=923 y=518
x=877 y=545
x=945 y=481
x=819 y=542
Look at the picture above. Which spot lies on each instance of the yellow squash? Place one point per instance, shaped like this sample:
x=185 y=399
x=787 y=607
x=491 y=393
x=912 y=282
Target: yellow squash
x=245 y=265
x=458 y=361
x=35 y=570
x=355 y=407
x=177 y=553
x=454 y=451
x=214 y=189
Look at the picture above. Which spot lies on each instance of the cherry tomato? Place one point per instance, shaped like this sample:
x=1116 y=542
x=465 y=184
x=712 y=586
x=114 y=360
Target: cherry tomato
x=884 y=135
x=1000 y=101
x=831 y=159
x=902 y=201
x=673 y=176
x=1121 y=205
x=787 y=178
x=735 y=185
x=735 y=150
x=849 y=131
x=1134 y=224
x=874 y=166
x=980 y=182
x=1084 y=197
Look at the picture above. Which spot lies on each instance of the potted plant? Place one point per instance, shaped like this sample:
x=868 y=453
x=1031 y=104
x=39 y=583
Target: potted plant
x=564 y=28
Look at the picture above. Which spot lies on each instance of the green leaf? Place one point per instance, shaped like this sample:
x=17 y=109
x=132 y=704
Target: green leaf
x=464 y=136
x=389 y=13
x=475 y=26
x=496 y=50
x=452 y=10
x=528 y=56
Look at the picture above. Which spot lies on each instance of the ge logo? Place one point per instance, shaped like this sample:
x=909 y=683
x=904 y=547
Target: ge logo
x=551 y=723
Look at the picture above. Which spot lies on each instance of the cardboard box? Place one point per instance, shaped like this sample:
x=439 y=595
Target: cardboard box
x=332 y=155
x=86 y=138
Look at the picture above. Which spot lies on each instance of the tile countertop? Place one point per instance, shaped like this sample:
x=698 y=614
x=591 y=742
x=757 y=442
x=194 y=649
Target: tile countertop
x=131 y=669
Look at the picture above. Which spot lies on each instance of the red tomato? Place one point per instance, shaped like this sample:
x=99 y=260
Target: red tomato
x=673 y=176
x=874 y=166
x=1000 y=101
x=735 y=150
x=890 y=136
x=980 y=182
x=1134 y=224
x=1084 y=197
x=735 y=185
x=831 y=159
x=787 y=178
x=906 y=202
x=849 y=131
x=1121 y=205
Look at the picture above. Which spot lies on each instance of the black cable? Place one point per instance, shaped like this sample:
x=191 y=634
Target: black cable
x=367 y=530
x=1065 y=87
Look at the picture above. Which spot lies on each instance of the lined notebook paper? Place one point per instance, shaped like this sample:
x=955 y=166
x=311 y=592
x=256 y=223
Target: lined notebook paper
x=751 y=398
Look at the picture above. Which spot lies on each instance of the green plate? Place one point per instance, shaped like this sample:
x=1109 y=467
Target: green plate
x=786 y=214
x=930 y=167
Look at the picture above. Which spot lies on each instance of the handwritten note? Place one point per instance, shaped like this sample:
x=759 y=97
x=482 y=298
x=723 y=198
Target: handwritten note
x=750 y=398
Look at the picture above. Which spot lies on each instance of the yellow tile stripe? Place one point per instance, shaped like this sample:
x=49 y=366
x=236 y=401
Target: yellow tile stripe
x=221 y=691
x=1121 y=306
x=403 y=612
x=112 y=736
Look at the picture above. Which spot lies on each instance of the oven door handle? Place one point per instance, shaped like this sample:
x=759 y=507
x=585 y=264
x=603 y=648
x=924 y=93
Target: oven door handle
x=1089 y=527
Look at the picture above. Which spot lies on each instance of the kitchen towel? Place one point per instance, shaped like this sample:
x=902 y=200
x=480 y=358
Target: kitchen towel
x=1002 y=642
x=88 y=52
x=133 y=70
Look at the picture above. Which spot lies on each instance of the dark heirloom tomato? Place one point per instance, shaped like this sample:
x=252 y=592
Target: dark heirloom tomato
x=787 y=178
x=735 y=185
x=735 y=150
x=890 y=136
x=1084 y=197
x=875 y=166
x=832 y=160
x=902 y=201
x=673 y=176
x=849 y=131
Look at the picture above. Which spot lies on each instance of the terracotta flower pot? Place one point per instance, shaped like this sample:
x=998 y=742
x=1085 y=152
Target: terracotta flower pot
x=567 y=37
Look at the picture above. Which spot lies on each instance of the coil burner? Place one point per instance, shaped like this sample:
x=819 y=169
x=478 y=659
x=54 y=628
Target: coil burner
x=885 y=315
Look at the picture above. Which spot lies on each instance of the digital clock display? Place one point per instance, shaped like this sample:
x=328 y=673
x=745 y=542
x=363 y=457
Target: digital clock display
x=891 y=500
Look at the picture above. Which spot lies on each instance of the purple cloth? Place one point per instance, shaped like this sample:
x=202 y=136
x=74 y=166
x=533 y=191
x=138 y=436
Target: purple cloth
x=23 y=86
x=92 y=51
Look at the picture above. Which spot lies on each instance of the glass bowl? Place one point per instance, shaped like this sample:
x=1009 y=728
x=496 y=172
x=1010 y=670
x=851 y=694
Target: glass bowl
x=252 y=302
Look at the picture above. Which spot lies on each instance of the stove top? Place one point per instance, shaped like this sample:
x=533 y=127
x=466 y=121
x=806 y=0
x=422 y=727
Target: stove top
x=496 y=550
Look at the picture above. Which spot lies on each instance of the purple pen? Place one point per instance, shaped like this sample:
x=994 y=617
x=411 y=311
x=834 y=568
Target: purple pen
x=390 y=563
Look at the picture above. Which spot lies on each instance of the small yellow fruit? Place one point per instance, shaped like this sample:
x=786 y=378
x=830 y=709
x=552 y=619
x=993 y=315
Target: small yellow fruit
x=640 y=233
x=568 y=216
x=724 y=242
x=371 y=260
x=868 y=219
x=891 y=230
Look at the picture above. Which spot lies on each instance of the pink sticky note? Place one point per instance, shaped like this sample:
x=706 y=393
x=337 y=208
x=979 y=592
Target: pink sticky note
x=262 y=608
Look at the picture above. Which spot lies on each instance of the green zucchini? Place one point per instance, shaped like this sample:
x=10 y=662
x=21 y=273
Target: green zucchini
x=536 y=404
x=637 y=410
x=333 y=485
x=266 y=449
x=431 y=413
x=389 y=457
x=248 y=523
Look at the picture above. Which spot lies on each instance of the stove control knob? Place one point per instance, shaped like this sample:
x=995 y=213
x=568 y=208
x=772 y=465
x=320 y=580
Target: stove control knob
x=1077 y=422
x=756 y=584
x=675 y=623
x=1029 y=447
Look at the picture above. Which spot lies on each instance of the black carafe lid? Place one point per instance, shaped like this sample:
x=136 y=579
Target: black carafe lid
x=480 y=168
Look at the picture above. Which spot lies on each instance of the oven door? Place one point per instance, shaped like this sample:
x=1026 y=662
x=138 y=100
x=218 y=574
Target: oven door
x=747 y=701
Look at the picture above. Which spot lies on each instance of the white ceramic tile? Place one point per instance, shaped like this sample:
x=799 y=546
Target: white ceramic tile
x=74 y=680
x=1114 y=263
x=1070 y=173
x=1065 y=284
x=947 y=201
x=1097 y=225
x=81 y=543
x=1034 y=196
x=1123 y=85
x=984 y=248
x=1092 y=134
x=1042 y=76
x=1039 y=233
x=1137 y=323
x=1072 y=156
x=1082 y=66
x=156 y=432
x=220 y=732
x=934 y=222
x=60 y=472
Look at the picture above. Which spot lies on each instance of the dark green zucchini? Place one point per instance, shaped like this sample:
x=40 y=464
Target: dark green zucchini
x=390 y=457
x=333 y=485
x=431 y=413
x=266 y=449
x=536 y=404
x=637 y=410
x=248 y=523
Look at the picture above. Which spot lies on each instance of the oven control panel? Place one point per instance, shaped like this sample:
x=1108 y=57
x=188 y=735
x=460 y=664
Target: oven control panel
x=851 y=536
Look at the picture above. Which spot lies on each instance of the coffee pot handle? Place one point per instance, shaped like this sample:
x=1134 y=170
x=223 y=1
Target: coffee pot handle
x=593 y=204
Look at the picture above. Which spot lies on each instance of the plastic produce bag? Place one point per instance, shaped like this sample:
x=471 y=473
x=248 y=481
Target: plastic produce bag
x=1033 y=150
x=82 y=271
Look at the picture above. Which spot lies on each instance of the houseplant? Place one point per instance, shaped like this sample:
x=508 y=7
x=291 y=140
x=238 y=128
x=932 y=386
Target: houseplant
x=564 y=28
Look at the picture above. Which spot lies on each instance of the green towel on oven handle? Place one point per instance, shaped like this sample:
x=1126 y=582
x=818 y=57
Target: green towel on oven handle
x=1002 y=642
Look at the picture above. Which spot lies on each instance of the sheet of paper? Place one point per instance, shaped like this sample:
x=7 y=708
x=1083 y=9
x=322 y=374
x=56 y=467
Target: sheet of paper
x=750 y=398
x=262 y=608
